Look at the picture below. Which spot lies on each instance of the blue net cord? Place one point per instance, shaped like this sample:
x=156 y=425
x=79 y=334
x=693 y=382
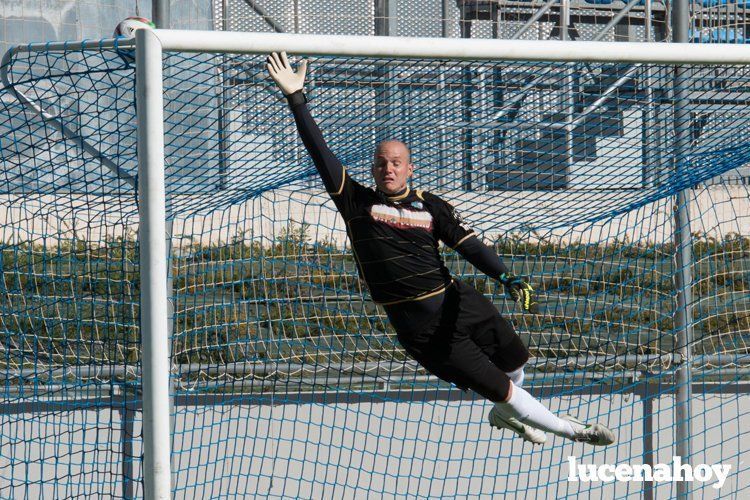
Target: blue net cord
x=289 y=381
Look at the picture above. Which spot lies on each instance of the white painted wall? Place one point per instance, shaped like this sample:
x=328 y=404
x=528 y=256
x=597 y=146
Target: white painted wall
x=716 y=211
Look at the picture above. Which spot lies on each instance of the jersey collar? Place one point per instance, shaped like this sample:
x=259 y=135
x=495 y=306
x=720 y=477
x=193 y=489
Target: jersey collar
x=396 y=197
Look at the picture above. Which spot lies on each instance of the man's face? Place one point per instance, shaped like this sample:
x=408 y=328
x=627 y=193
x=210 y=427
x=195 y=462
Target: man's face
x=392 y=167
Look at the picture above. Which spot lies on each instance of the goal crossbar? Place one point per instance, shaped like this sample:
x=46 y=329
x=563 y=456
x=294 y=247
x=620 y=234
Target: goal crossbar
x=426 y=48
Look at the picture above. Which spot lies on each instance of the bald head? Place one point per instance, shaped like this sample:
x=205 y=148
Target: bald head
x=393 y=145
x=391 y=167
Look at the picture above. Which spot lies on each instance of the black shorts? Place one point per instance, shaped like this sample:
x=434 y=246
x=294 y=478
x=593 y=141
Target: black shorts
x=467 y=343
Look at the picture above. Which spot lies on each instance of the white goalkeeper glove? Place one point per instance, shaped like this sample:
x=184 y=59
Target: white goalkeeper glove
x=288 y=80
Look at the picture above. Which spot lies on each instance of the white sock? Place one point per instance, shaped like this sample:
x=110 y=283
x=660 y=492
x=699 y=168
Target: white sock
x=516 y=376
x=528 y=410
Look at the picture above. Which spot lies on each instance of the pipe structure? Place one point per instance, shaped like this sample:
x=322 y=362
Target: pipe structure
x=154 y=275
x=683 y=315
x=270 y=21
x=732 y=362
x=616 y=19
x=426 y=48
x=160 y=13
x=534 y=18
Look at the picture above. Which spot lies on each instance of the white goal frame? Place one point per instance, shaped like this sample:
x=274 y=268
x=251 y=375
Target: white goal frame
x=150 y=45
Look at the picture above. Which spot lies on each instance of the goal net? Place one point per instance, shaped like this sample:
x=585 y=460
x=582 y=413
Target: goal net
x=593 y=169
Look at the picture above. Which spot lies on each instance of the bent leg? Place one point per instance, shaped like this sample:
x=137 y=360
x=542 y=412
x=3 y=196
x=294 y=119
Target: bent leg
x=517 y=376
x=460 y=361
x=522 y=406
x=529 y=410
x=499 y=340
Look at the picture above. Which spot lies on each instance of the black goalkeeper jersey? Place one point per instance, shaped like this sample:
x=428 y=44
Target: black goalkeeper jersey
x=394 y=238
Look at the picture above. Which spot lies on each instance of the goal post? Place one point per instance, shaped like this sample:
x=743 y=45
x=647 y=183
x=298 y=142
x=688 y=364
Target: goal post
x=152 y=208
x=598 y=233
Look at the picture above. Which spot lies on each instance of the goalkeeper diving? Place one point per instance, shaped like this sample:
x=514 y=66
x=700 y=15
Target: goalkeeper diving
x=450 y=328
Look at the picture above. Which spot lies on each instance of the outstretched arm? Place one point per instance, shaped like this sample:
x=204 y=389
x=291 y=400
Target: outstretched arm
x=454 y=232
x=291 y=83
x=486 y=260
x=482 y=257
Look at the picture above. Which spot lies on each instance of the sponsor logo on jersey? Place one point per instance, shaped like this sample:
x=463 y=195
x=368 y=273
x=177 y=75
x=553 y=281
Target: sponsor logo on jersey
x=461 y=222
x=402 y=217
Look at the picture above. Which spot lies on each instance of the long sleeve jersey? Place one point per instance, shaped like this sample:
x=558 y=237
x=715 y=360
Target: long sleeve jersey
x=394 y=238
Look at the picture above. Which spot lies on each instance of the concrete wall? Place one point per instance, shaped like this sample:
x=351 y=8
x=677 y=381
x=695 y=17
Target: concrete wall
x=716 y=211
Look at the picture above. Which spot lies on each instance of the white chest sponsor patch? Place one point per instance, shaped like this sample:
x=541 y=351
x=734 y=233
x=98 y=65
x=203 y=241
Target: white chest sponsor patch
x=400 y=217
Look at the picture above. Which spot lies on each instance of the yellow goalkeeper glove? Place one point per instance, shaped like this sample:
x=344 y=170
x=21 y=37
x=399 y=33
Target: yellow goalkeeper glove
x=519 y=291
